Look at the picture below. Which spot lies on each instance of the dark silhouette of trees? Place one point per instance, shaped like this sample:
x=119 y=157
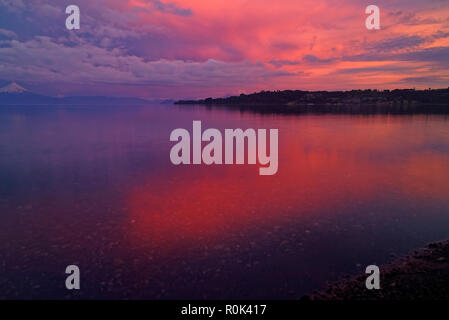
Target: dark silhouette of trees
x=329 y=98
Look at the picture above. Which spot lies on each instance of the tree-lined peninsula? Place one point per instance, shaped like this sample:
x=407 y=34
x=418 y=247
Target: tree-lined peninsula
x=330 y=98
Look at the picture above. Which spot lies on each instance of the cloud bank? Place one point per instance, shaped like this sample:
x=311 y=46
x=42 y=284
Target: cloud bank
x=189 y=49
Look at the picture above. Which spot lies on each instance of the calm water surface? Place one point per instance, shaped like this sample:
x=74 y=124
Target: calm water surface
x=94 y=186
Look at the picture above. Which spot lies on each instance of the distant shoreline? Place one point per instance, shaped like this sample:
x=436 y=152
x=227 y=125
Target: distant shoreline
x=355 y=101
x=424 y=275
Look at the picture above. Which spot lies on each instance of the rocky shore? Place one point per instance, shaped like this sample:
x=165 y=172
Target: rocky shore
x=424 y=275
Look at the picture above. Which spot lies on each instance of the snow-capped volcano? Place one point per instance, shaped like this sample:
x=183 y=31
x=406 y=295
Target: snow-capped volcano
x=13 y=87
x=15 y=94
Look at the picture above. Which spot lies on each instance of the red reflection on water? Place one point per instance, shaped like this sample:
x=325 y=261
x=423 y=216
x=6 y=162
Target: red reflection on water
x=208 y=202
x=427 y=176
x=331 y=165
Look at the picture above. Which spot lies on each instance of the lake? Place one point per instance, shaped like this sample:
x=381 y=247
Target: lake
x=94 y=187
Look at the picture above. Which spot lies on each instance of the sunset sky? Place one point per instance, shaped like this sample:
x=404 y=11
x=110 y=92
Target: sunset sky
x=161 y=49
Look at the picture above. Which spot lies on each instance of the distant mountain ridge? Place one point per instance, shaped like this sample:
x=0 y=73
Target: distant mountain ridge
x=15 y=94
x=13 y=87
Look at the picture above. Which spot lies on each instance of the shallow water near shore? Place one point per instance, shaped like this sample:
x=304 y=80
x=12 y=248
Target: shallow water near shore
x=94 y=186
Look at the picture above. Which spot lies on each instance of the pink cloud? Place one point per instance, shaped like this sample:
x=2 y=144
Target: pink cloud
x=201 y=48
